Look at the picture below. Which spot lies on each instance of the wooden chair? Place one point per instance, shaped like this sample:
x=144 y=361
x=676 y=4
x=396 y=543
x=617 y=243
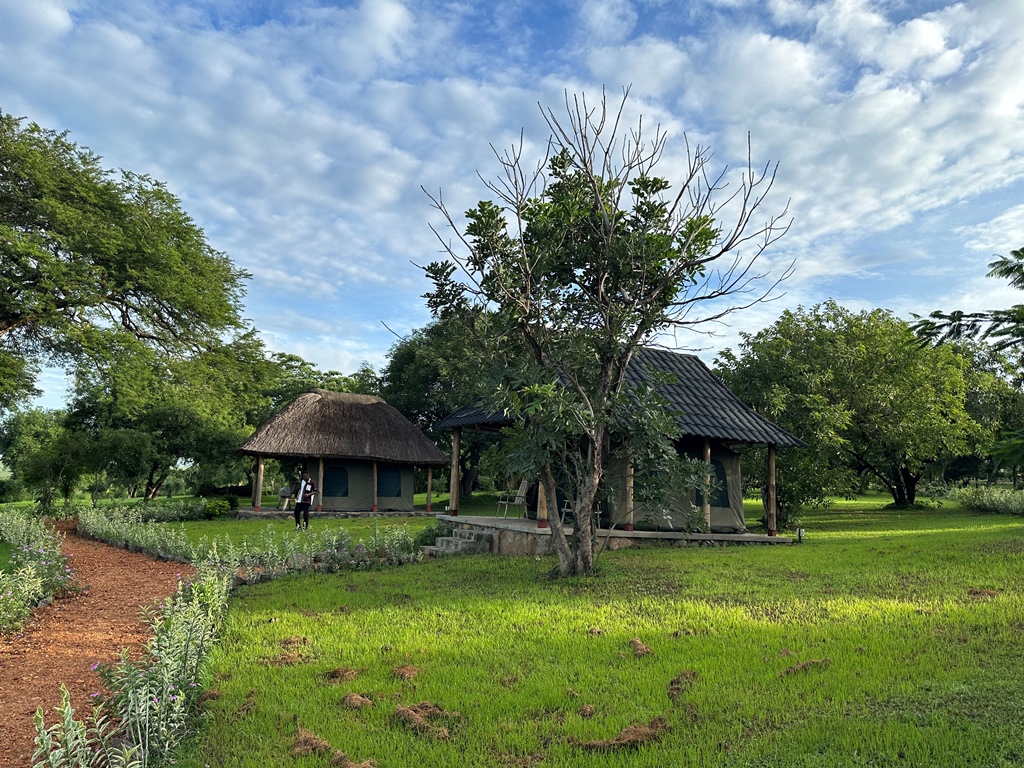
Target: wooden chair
x=517 y=500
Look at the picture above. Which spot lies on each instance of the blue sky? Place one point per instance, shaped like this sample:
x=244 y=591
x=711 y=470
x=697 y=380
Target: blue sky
x=299 y=134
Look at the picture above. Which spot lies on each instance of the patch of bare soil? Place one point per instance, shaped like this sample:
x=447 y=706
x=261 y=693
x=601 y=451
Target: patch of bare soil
x=803 y=666
x=681 y=683
x=355 y=701
x=633 y=736
x=341 y=674
x=62 y=642
x=405 y=672
x=423 y=718
x=639 y=647
x=306 y=743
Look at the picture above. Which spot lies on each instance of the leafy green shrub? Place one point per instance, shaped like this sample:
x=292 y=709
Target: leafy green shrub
x=172 y=510
x=428 y=536
x=39 y=568
x=154 y=699
x=217 y=508
x=990 y=500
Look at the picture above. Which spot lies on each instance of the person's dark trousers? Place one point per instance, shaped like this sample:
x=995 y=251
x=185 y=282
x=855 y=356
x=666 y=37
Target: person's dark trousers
x=302 y=510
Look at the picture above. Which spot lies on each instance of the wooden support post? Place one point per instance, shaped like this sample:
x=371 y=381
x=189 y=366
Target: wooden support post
x=374 y=508
x=257 y=496
x=772 y=499
x=706 y=506
x=542 y=506
x=629 y=495
x=320 y=486
x=453 y=484
x=430 y=478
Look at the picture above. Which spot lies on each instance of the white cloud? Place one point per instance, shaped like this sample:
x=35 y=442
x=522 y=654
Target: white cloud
x=1000 y=235
x=607 y=20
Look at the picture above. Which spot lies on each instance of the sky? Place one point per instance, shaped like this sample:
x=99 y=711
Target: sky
x=301 y=135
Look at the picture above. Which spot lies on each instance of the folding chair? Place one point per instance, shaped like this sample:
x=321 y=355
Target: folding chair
x=517 y=500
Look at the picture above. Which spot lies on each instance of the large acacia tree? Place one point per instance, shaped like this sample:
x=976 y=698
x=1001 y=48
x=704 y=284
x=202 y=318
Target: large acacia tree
x=87 y=254
x=580 y=259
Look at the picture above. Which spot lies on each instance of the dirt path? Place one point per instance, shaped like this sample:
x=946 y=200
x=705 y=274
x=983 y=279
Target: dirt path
x=63 y=640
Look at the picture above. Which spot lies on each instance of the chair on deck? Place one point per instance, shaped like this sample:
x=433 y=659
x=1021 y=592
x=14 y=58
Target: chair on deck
x=517 y=500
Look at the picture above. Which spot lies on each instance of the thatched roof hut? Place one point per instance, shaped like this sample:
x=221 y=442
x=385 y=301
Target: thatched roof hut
x=361 y=449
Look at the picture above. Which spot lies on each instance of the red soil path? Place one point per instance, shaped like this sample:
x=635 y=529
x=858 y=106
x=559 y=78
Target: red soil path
x=63 y=640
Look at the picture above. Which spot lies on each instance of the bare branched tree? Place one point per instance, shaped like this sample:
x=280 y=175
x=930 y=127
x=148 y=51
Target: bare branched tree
x=582 y=258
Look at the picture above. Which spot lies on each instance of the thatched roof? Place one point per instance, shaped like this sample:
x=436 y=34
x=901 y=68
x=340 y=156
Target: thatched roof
x=705 y=407
x=340 y=425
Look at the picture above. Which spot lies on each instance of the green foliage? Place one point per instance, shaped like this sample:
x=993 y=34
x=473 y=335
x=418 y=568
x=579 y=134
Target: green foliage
x=36 y=570
x=428 y=536
x=576 y=265
x=990 y=500
x=862 y=391
x=217 y=508
x=1003 y=328
x=155 y=698
x=91 y=257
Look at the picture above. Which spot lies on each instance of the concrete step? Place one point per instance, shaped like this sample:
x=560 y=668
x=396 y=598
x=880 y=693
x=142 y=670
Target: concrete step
x=461 y=542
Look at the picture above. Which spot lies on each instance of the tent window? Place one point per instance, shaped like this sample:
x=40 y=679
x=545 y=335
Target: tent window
x=335 y=481
x=389 y=481
x=720 y=497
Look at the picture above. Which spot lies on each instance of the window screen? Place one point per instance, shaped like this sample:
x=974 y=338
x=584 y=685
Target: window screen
x=335 y=480
x=389 y=481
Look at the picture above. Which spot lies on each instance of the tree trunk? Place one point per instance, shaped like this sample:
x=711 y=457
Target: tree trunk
x=910 y=481
x=154 y=484
x=583 y=536
x=562 y=548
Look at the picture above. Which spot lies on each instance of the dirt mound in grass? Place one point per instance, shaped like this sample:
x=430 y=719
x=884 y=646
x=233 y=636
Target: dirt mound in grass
x=982 y=594
x=355 y=701
x=633 y=736
x=423 y=718
x=295 y=641
x=639 y=648
x=803 y=666
x=286 y=659
x=246 y=706
x=341 y=674
x=341 y=760
x=681 y=683
x=306 y=743
x=405 y=672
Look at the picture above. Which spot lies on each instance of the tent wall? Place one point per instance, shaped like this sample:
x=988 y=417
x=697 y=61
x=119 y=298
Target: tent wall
x=348 y=486
x=726 y=502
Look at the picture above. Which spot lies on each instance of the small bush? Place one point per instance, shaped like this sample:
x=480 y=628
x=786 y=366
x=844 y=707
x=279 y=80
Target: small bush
x=217 y=508
x=39 y=569
x=991 y=500
x=428 y=536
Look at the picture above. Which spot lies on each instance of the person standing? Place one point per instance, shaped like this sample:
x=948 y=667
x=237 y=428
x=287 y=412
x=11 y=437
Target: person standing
x=303 y=500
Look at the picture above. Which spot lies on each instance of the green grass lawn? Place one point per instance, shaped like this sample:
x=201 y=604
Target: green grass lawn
x=887 y=639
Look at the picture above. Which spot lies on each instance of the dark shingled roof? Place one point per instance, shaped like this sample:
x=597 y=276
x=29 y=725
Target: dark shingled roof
x=707 y=408
x=340 y=425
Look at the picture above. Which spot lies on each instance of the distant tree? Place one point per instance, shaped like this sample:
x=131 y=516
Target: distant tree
x=87 y=255
x=430 y=374
x=35 y=446
x=862 y=390
x=581 y=266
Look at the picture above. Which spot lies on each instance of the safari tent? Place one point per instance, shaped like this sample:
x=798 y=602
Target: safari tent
x=712 y=422
x=360 y=450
